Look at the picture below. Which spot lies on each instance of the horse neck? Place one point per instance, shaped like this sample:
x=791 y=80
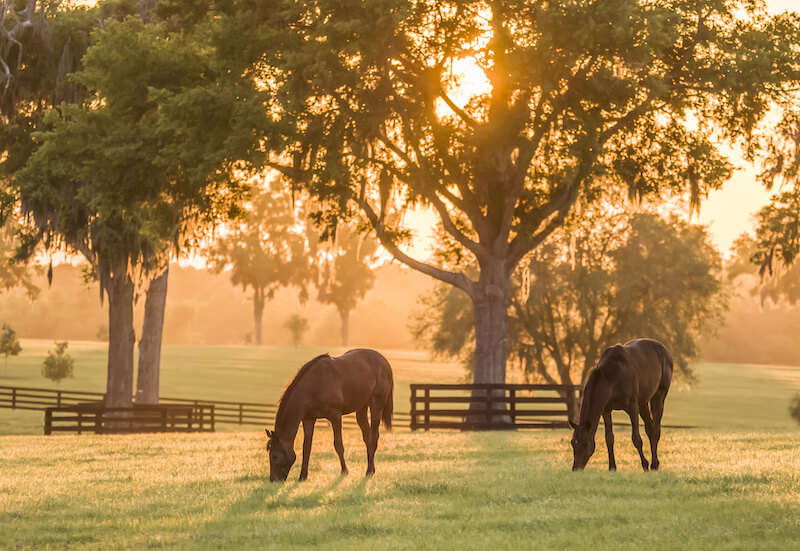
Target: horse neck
x=595 y=399
x=288 y=422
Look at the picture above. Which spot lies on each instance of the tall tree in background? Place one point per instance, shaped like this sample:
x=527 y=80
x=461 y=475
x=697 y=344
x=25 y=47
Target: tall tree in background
x=268 y=250
x=136 y=172
x=606 y=277
x=371 y=110
x=347 y=273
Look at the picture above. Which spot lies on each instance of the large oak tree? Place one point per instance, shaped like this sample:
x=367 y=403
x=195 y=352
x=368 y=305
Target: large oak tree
x=369 y=108
x=136 y=172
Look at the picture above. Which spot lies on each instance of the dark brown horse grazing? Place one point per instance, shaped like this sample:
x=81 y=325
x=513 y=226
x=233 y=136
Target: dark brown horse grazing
x=328 y=388
x=634 y=378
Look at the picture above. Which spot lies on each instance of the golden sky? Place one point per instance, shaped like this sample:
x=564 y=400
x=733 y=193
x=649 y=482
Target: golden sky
x=729 y=211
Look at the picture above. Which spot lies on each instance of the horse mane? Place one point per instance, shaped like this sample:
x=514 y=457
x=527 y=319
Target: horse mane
x=604 y=374
x=293 y=384
x=608 y=363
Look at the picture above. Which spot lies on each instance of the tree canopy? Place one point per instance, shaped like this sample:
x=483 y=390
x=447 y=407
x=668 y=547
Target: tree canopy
x=138 y=166
x=370 y=109
x=606 y=277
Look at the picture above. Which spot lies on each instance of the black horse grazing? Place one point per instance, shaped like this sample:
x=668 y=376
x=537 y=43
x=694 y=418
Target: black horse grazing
x=328 y=388
x=634 y=378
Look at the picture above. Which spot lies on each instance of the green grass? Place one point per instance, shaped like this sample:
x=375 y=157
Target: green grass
x=734 y=483
x=237 y=373
x=734 y=490
x=726 y=396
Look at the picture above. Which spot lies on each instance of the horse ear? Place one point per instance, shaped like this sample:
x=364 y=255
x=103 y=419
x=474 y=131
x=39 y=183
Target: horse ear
x=269 y=434
x=573 y=425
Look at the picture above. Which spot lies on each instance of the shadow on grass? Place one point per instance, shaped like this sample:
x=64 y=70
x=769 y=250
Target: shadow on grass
x=265 y=513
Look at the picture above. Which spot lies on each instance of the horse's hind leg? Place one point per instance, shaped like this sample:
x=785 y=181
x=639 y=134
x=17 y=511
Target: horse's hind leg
x=375 y=410
x=657 y=408
x=633 y=413
x=612 y=464
x=338 y=445
x=646 y=415
x=363 y=422
x=308 y=435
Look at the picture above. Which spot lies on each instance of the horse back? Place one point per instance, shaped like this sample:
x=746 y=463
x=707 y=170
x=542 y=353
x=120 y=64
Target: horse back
x=361 y=374
x=652 y=363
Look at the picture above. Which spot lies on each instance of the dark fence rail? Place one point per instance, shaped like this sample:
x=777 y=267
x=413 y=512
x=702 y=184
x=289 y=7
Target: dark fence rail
x=492 y=407
x=41 y=398
x=96 y=418
x=228 y=412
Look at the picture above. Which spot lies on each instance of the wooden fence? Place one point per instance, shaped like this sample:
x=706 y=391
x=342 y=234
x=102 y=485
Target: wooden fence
x=96 y=418
x=497 y=406
x=227 y=412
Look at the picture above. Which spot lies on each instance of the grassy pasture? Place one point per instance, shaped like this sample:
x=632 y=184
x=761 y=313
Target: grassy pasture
x=734 y=490
x=237 y=373
x=726 y=396
x=733 y=482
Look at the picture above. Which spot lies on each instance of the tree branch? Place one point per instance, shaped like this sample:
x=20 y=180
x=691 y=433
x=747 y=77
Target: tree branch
x=456 y=279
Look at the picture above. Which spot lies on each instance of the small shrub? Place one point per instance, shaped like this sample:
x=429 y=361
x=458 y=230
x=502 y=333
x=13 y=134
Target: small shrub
x=9 y=344
x=58 y=365
x=297 y=326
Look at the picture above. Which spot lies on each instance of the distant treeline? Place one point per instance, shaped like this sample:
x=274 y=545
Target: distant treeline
x=204 y=308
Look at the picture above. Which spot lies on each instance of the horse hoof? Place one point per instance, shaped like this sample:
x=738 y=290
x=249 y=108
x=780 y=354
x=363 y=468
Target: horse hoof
x=612 y=468
x=645 y=465
x=654 y=467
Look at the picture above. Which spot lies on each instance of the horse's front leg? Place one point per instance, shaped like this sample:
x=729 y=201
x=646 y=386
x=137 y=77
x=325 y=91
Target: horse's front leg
x=308 y=435
x=612 y=464
x=336 y=424
x=633 y=413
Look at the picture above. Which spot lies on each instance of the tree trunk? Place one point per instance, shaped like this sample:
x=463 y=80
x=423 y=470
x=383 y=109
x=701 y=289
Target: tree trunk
x=150 y=343
x=491 y=341
x=258 y=314
x=345 y=318
x=119 y=386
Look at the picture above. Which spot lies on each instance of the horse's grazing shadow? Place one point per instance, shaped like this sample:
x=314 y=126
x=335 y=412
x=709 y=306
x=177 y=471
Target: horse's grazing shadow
x=270 y=497
x=293 y=498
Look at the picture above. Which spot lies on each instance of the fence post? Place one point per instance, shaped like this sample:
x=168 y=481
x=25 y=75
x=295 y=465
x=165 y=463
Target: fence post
x=48 y=421
x=164 y=418
x=512 y=394
x=14 y=398
x=212 y=418
x=488 y=408
x=58 y=398
x=427 y=409
x=80 y=421
x=98 y=419
x=413 y=408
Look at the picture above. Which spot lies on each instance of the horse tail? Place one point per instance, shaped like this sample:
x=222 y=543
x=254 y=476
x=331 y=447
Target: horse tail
x=389 y=405
x=667 y=367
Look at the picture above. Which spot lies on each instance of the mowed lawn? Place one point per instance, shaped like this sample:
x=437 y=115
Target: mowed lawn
x=729 y=490
x=726 y=396
x=235 y=373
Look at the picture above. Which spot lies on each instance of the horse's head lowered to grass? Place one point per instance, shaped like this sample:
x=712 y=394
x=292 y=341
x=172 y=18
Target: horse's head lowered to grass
x=582 y=444
x=281 y=458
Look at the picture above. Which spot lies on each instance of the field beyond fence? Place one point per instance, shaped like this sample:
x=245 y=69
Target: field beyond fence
x=725 y=396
